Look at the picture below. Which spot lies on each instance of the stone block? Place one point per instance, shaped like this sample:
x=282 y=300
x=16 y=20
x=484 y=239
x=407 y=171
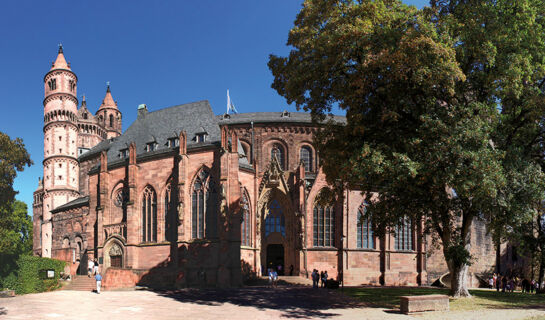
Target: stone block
x=435 y=302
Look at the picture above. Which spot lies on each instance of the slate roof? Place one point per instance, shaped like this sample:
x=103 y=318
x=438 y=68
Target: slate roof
x=271 y=117
x=161 y=125
x=76 y=203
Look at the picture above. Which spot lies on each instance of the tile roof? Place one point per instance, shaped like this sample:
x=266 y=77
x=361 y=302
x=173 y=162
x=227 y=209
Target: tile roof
x=79 y=202
x=272 y=117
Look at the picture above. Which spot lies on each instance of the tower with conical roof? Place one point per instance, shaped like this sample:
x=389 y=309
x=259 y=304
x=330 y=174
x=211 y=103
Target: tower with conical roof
x=61 y=168
x=108 y=115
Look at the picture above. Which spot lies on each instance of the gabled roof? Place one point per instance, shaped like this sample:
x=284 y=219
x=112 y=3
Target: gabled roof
x=161 y=125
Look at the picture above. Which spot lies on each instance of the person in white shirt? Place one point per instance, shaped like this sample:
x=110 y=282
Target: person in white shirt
x=90 y=267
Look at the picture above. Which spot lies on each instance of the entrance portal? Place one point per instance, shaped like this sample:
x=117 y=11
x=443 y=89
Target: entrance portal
x=275 y=257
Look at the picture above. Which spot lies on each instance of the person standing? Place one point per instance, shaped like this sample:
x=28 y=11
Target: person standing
x=314 y=276
x=98 y=279
x=96 y=266
x=491 y=283
x=90 y=267
x=291 y=270
x=324 y=280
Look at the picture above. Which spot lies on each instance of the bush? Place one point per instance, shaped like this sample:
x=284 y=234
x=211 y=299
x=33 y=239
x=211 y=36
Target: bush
x=26 y=279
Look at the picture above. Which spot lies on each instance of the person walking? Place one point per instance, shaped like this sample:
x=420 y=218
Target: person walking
x=98 y=279
x=275 y=278
x=90 y=267
x=271 y=277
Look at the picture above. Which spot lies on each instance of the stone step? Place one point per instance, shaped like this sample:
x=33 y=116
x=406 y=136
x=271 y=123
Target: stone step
x=81 y=283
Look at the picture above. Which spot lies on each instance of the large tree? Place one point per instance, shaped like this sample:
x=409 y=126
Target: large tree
x=439 y=103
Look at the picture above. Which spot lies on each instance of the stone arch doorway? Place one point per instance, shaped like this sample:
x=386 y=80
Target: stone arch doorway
x=275 y=257
x=277 y=232
x=113 y=254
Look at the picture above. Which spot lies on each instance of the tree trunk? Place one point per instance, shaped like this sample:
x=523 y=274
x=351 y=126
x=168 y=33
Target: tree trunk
x=541 y=269
x=458 y=281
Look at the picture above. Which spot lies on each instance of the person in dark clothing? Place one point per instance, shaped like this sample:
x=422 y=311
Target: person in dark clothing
x=291 y=270
x=315 y=279
x=498 y=283
x=503 y=283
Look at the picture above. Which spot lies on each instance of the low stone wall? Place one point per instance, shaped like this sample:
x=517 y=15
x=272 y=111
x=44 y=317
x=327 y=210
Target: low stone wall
x=117 y=278
x=434 y=302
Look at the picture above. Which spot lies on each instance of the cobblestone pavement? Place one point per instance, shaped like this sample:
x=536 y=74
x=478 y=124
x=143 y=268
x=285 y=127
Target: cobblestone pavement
x=247 y=303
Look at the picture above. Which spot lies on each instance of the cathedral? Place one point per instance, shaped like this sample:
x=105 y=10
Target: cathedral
x=186 y=198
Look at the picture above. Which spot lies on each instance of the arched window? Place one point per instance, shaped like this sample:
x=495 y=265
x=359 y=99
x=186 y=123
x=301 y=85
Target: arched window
x=404 y=236
x=306 y=157
x=275 y=221
x=111 y=120
x=324 y=226
x=149 y=215
x=246 y=227
x=365 y=238
x=203 y=206
x=168 y=199
x=278 y=152
x=85 y=116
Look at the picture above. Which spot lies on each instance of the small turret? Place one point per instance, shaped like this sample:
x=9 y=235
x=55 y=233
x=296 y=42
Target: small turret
x=108 y=115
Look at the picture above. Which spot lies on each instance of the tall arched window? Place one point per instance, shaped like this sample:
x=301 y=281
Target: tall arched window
x=324 y=226
x=404 y=236
x=275 y=221
x=365 y=231
x=278 y=152
x=111 y=120
x=246 y=227
x=149 y=215
x=167 y=207
x=203 y=206
x=306 y=157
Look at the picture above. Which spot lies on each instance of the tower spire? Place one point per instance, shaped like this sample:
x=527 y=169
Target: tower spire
x=60 y=62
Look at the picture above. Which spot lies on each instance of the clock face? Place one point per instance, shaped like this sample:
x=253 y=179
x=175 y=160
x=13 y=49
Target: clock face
x=118 y=200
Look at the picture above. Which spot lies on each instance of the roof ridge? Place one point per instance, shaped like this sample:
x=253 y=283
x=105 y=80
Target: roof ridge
x=178 y=105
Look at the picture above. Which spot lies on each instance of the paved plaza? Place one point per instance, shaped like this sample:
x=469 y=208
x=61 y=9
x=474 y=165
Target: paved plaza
x=246 y=303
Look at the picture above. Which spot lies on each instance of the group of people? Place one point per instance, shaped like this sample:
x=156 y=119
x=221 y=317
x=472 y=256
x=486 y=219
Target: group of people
x=92 y=269
x=510 y=284
x=317 y=277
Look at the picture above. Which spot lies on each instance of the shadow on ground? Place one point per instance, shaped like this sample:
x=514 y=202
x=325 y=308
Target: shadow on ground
x=3 y=311
x=293 y=301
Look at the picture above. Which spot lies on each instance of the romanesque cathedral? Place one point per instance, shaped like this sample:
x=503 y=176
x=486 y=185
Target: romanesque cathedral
x=185 y=197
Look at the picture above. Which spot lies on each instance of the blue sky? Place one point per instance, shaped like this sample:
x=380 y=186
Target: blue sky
x=160 y=53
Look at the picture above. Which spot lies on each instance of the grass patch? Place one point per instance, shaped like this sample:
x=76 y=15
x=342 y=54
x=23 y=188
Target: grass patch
x=482 y=299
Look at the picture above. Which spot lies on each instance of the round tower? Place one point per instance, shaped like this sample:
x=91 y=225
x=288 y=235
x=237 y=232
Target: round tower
x=61 y=168
x=109 y=116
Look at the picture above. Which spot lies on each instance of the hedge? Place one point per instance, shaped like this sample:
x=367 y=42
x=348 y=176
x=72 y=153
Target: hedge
x=26 y=278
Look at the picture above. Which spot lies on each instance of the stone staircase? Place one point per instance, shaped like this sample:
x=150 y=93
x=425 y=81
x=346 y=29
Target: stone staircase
x=81 y=283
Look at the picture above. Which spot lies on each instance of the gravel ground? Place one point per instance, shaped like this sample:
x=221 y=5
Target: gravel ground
x=247 y=303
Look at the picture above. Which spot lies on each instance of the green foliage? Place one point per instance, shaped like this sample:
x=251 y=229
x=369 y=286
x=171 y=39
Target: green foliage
x=26 y=279
x=13 y=158
x=15 y=230
x=444 y=108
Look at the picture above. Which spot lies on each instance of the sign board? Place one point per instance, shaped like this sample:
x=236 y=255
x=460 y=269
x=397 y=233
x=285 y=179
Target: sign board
x=50 y=274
